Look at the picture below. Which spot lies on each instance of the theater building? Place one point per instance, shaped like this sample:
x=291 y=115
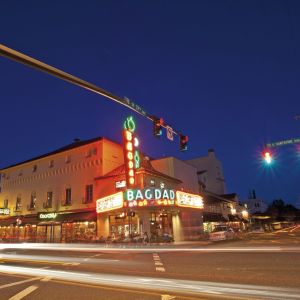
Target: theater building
x=81 y=192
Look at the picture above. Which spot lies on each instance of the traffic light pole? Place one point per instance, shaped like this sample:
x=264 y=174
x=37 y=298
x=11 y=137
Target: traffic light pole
x=36 y=64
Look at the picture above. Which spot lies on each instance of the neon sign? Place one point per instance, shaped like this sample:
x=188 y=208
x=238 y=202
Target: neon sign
x=149 y=194
x=47 y=216
x=4 y=211
x=109 y=203
x=131 y=154
x=189 y=200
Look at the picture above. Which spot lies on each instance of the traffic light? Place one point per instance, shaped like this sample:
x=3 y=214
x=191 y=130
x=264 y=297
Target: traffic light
x=157 y=126
x=267 y=157
x=183 y=139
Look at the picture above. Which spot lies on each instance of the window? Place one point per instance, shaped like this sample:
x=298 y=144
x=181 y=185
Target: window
x=5 y=203
x=18 y=204
x=88 y=153
x=32 y=201
x=20 y=172
x=68 y=159
x=51 y=163
x=95 y=151
x=34 y=168
x=68 y=199
x=89 y=193
x=48 y=203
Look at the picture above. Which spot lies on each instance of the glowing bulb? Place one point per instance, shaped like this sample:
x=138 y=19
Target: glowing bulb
x=131 y=180
x=136 y=142
x=130 y=155
x=129 y=146
x=128 y=135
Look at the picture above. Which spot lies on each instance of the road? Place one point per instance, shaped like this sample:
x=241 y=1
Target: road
x=260 y=266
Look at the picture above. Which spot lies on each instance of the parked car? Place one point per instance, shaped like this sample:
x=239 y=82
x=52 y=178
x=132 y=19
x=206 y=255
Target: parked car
x=221 y=233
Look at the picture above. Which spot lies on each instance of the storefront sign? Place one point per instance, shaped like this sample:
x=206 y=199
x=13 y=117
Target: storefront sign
x=47 y=216
x=4 y=211
x=109 y=203
x=149 y=194
x=189 y=200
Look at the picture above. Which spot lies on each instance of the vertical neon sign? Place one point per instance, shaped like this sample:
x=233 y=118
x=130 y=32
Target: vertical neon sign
x=131 y=153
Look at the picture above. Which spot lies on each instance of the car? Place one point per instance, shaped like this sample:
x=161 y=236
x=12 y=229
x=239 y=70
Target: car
x=221 y=233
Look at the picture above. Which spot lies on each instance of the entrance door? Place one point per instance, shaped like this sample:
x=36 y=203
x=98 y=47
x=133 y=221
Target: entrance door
x=53 y=233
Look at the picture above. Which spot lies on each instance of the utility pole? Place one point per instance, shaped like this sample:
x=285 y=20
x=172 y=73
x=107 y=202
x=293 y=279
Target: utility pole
x=41 y=66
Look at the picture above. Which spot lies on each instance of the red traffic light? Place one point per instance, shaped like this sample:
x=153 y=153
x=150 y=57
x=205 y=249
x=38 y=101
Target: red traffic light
x=267 y=157
x=183 y=140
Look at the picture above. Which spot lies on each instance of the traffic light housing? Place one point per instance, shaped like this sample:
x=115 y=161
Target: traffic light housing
x=157 y=126
x=267 y=157
x=183 y=140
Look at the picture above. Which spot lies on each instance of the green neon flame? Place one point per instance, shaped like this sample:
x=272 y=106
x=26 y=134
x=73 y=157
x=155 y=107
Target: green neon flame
x=129 y=124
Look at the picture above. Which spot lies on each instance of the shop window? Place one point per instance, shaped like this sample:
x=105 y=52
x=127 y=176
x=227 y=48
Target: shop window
x=48 y=203
x=88 y=193
x=18 y=204
x=5 y=203
x=68 y=199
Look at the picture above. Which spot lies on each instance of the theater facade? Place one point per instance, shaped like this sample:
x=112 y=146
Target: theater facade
x=95 y=189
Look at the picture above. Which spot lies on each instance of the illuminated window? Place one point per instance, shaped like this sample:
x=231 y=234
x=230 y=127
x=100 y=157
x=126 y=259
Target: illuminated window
x=5 y=203
x=48 y=203
x=18 y=203
x=68 y=199
x=89 y=193
x=32 y=201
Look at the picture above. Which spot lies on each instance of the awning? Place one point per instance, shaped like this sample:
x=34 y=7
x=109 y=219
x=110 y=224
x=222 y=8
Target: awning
x=8 y=221
x=213 y=217
x=90 y=216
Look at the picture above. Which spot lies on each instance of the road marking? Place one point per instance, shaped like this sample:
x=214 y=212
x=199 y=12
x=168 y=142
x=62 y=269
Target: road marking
x=46 y=279
x=71 y=264
x=160 y=269
x=167 y=297
x=24 y=293
x=19 y=282
x=158 y=264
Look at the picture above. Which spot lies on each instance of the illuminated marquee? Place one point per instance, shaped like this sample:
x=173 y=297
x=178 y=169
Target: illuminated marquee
x=4 y=211
x=189 y=200
x=47 y=216
x=109 y=203
x=149 y=194
x=149 y=197
x=131 y=154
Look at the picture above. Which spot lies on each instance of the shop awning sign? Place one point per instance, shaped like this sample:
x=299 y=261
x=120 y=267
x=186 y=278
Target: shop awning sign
x=189 y=200
x=4 y=211
x=109 y=203
x=45 y=216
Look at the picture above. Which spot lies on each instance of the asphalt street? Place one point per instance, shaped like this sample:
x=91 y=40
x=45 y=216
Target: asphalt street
x=258 y=266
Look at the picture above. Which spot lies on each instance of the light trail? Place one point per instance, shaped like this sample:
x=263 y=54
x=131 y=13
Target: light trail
x=165 y=285
x=55 y=259
x=150 y=249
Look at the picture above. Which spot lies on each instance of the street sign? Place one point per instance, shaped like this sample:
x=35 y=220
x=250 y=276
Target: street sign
x=170 y=135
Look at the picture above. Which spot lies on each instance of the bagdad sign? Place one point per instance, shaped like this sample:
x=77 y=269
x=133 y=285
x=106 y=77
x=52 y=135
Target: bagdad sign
x=149 y=194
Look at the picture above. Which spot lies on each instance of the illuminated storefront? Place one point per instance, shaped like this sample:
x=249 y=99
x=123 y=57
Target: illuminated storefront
x=158 y=212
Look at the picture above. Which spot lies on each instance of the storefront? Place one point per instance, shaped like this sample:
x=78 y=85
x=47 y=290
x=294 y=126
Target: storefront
x=158 y=212
x=50 y=227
